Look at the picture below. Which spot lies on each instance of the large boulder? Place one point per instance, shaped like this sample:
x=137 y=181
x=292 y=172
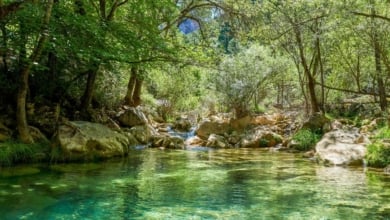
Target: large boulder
x=259 y=138
x=79 y=140
x=132 y=117
x=212 y=127
x=142 y=133
x=342 y=147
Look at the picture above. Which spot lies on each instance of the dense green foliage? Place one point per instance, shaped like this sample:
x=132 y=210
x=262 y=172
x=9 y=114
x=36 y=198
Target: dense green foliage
x=12 y=152
x=378 y=152
x=223 y=55
x=305 y=139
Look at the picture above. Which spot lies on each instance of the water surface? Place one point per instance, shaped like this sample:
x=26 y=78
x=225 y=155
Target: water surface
x=195 y=184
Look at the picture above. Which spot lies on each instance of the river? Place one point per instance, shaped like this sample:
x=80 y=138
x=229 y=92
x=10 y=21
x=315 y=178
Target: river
x=194 y=184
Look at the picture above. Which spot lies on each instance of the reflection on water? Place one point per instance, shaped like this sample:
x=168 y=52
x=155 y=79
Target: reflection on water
x=195 y=184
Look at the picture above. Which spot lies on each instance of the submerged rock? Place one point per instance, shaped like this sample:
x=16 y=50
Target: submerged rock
x=81 y=140
x=341 y=147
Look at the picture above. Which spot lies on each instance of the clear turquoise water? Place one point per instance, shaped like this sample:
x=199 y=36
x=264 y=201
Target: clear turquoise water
x=195 y=184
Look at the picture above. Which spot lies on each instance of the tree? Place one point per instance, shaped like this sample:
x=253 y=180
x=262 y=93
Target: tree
x=239 y=77
x=22 y=125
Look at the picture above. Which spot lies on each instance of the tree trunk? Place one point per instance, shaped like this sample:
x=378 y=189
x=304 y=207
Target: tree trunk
x=134 y=88
x=379 y=78
x=21 y=117
x=310 y=80
x=378 y=68
x=86 y=99
x=319 y=58
x=130 y=86
x=137 y=92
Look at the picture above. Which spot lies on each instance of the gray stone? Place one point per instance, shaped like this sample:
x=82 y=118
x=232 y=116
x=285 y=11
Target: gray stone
x=341 y=147
x=132 y=117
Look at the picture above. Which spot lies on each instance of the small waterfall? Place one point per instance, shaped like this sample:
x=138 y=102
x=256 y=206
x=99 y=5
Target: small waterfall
x=182 y=134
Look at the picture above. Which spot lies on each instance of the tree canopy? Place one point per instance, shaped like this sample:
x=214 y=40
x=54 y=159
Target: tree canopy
x=238 y=55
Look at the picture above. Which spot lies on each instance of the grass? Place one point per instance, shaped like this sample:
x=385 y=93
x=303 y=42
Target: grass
x=12 y=152
x=306 y=139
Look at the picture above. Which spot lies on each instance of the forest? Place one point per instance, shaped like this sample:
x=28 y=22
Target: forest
x=194 y=109
x=83 y=60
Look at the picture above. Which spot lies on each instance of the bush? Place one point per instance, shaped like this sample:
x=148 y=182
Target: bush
x=383 y=133
x=12 y=152
x=306 y=139
x=378 y=155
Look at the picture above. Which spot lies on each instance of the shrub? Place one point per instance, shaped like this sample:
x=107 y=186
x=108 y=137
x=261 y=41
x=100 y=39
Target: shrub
x=306 y=139
x=378 y=154
x=383 y=133
x=12 y=152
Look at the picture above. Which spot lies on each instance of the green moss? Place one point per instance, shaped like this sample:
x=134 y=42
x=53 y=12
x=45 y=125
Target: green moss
x=12 y=152
x=378 y=154
x=305 y=139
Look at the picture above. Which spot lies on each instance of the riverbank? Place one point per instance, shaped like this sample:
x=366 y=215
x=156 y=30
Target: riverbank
x=326 y=140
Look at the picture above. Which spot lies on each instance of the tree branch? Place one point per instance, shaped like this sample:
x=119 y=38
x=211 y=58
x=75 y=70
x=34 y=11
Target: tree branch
x=5 y=10
x=371 y=15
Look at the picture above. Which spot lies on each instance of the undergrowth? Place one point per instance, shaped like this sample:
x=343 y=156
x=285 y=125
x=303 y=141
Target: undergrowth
x=378 y=152
x=12 y=152
x=306 y=139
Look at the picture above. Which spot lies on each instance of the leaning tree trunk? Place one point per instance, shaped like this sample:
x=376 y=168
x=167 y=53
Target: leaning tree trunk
x=21 y=117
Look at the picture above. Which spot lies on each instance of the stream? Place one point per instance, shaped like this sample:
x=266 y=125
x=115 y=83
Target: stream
x=194 y=184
